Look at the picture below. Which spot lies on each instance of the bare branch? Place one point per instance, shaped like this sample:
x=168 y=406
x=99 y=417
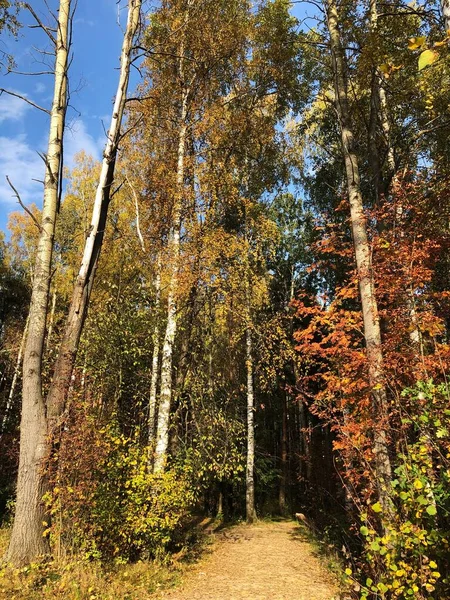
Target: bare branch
x=47 y=30
x=3 y=91
x=118 y=188
x=28 y=74
x=136 y=203
x=133 y=126
x=19 y=200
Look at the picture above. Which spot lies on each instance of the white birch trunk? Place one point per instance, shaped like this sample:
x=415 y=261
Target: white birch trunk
x=372 y=331
x=162 y=434
x=250 y=467
x=81 y=294
x=27 y=540
x=155 y=364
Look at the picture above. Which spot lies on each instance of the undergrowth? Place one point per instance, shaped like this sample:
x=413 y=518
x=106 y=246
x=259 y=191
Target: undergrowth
x=80 y=579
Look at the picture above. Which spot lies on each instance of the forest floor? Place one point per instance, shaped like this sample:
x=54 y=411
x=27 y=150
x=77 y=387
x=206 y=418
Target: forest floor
x=270 y=560
x=264 y=561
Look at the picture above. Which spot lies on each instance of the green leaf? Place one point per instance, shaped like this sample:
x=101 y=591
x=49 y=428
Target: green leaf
x=382 y=587
x=364 y=531
x=376 y=507
x=426 y=58
x=431 y=510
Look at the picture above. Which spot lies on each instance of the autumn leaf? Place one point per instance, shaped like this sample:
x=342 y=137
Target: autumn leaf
x=416 y=43
x=427 y=58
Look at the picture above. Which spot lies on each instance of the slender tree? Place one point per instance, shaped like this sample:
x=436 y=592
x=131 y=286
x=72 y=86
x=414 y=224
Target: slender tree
x=372 y=332
x=27 y=540
x=80 y=299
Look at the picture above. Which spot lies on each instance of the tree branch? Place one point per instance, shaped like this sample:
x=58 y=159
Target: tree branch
x=27 y=210
x=2 y=90
x=47 y=30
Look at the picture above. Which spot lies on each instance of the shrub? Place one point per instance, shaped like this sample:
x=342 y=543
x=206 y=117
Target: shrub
x=105 y=503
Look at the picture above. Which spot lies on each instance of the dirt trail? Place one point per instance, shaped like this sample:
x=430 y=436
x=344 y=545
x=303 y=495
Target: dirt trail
x=266 y=561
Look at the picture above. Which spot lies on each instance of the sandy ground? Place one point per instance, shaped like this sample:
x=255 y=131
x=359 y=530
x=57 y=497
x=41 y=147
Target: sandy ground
x=265 y=561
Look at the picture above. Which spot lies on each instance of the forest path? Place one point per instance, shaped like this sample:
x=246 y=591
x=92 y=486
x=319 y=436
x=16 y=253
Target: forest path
x=265 y=561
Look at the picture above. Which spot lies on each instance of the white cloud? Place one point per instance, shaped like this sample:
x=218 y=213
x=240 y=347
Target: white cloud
x=12 y=108
x=40 y=88
x=22 y=164
x=78 y=138
x=81 y=21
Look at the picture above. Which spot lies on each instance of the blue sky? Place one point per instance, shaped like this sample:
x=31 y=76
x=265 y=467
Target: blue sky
x=23 y=129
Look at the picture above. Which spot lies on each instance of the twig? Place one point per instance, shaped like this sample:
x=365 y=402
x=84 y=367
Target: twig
x=27 y=210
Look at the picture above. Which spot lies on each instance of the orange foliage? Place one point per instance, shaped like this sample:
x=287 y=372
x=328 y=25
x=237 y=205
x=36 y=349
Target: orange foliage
x=407 y=246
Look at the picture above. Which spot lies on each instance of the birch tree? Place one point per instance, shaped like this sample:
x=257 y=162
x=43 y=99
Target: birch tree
x=27 y=540
x=250 y=466
x=372 y=332
x=198 y=55
x=80 y=298
x=40 y=419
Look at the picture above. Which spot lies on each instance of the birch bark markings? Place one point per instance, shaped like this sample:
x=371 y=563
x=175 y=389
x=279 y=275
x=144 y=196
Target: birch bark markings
x=155 y=364
x=372 y=331
x=80 y=298
x=27 y=540
x=162 y=434
x=250 y=467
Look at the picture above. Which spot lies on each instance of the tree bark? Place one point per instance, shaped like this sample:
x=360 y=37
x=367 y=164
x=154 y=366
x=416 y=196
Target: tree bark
x=80 y=298
x=27 y=540
x=372 y=331
x=155 y=365
x=162 y=435
x=284 y=455
x=250 y=468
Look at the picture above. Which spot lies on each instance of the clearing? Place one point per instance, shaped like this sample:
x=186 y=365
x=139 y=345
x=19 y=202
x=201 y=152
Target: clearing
x=265 y=561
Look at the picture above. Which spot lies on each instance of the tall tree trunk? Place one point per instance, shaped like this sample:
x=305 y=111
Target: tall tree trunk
x=27 y=540
x=372 y=331
x=155 y=365
x=284 y=455
x=162 y=434
x=250 y=469
x=80 y=298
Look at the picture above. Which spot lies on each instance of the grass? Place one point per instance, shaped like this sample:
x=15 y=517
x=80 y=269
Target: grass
x=86 y=580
